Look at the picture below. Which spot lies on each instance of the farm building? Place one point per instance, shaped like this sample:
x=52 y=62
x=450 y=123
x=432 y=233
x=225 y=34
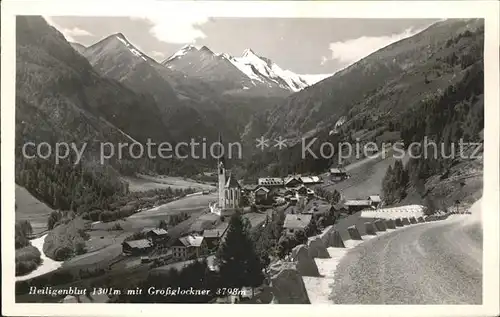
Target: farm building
x=356 y=205
x=136 y=247
x=158 y=236
x=376 y=200
x=294 y=223
x=261 y=194
x=338 y=174
x=310 y=180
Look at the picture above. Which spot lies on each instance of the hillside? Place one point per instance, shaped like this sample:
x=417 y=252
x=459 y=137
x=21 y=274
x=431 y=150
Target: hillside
x=384 y=83
x=372 y=98
x=61 y=98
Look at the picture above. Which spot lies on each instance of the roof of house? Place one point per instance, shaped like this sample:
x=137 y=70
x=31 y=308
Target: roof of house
x=375 y=198
x=309 y=179
x=215 y=233
x=159 y=231
x=358 y=202
x=261 y=188
x=337 y=170
x=270 y=181
x=139 y=244
x=232 y=182
x=297 y=221
x=191 y=240
x=291 y=178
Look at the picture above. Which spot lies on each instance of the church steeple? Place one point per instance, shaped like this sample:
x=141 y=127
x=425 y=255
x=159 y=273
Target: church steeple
x=221 y=175
x=221 y=161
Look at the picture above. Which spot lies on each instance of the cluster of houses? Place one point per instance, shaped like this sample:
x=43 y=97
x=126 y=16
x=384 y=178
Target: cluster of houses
x=293 y=189
x=190 y=246
x=195 y=245
x=271 y=190
x=295 y=222
x=153 y=238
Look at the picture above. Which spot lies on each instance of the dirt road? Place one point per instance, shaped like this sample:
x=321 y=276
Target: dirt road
x=429 y=263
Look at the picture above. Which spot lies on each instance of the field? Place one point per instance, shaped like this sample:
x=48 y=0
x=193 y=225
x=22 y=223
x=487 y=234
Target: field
x=104 y=244
x=31 y=209
x=365 y=178
x=146 y=182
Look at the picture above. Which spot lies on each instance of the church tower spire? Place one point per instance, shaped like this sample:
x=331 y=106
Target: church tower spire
x=221 y=174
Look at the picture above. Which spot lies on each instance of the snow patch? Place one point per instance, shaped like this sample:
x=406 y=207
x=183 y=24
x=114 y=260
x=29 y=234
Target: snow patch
x=131 y=48
x=183 y=51
x=48 y=265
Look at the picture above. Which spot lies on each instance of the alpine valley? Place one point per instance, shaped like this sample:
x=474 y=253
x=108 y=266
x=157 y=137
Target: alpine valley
x=427 y=86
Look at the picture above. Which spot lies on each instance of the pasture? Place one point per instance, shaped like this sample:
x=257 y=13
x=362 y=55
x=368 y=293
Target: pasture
x=145 y=182
x=31 y=209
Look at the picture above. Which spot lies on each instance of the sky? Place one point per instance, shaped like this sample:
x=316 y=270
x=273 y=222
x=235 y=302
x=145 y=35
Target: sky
x=302 y=45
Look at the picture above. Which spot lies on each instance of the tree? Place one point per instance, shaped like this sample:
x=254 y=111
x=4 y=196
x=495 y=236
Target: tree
x=312 y=228
x=395 y=182
x=53 y=219
x=300 y=237
x=162 y=224
x=238 y=261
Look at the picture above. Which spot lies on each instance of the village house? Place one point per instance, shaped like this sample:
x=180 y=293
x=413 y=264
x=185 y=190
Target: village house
x=189 y=247
x=356 y=205
x=295 y=223
x=310 y=180
x=301 y=191
x=158 y=236
x=213 y=237
x=292 y=181
x=261 y=195
x=375 y=199
x=338 y=174
x=137 y=247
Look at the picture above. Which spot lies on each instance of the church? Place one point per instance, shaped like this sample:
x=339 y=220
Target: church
x=229 y=192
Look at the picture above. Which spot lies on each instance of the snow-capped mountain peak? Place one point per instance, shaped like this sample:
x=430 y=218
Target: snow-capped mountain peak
x=120 y=37
x=264 y=70
x=189 y=48
x=260 y=70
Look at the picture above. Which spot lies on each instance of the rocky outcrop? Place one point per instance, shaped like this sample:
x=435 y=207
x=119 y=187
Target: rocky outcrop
x=398 y=222
x=287 y=285
x=413 y=220
x=317 y=248
x=305 y=263
x=370 y=229
x=380 y=225
x=405 y=221
x=390 y=224
x=354 y=233
x=420 y=219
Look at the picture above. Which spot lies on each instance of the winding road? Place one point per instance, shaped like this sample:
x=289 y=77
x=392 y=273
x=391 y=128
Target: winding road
x=429 y=263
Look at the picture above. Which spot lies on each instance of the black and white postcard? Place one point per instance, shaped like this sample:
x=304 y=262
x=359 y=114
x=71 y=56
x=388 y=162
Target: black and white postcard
x=328 y=154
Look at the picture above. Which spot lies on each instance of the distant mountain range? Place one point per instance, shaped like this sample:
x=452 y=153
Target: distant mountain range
x=245 y=72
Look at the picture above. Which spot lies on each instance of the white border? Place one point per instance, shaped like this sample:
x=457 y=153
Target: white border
x=488 y=10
